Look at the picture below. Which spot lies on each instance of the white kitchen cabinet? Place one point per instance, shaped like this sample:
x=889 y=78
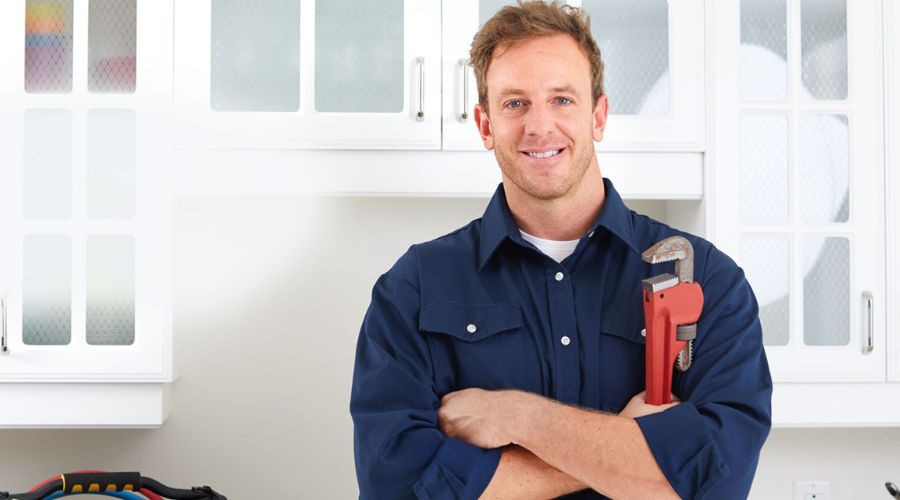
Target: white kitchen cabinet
x=309 y=74
x=796 y=176
x=892 y=162
x=249 y=77
x=653 y=55
x=85 y=197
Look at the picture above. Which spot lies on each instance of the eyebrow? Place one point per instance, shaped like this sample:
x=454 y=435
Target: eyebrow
x=508 y=92
x=563 y=89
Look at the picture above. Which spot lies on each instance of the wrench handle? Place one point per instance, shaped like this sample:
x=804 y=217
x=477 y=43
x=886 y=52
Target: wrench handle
x=664 y=310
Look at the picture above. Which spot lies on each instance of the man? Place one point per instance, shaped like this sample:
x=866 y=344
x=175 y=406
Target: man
x=505 y=360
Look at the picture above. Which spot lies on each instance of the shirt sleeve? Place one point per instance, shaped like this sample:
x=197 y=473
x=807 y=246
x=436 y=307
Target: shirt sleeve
x=399 y=449
x=708 y=446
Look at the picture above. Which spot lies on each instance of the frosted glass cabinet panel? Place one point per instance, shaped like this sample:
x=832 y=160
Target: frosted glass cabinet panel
x=825 y=168
x=767 y=263
x=255 y=55
x=47 y=290
x=359 y=56
x=112 y=46
x=634 y=44
x=48 y=45
x=823 y=38
x=826 y=291
x=653 y=53
x=111 y=164
x=110 y=290
x=763 y=51
x=764 y=169
x=798 y=146
x=48 y=164
x=301 y=74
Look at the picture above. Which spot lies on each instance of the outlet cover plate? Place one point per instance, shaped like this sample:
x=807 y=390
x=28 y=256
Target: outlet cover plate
x=812 y=490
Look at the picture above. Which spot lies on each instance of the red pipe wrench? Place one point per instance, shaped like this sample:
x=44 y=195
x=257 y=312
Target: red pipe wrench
x=672 y=305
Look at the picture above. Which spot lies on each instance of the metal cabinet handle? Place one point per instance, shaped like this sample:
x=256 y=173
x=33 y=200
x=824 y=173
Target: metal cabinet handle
x=464 y=116
x=420 y=62
x=3 y=347
x=870 y=321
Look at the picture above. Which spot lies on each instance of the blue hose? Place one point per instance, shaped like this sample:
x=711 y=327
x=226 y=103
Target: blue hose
x=119 y=494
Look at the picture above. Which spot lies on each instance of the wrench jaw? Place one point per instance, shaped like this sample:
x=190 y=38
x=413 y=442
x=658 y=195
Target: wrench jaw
x=659 y=282
x=674 y=248
x=685 y=356
x=687 y=333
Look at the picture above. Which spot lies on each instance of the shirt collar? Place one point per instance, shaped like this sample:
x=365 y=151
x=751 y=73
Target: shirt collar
x=498 y=223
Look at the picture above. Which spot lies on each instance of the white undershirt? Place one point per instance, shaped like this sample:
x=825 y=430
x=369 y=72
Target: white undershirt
x=557 y=250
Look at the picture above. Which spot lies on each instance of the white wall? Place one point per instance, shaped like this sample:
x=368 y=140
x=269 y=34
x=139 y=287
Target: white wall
x=857 y=462
x=270 y=293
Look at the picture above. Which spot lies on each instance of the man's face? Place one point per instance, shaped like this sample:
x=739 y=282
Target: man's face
x=541 y=122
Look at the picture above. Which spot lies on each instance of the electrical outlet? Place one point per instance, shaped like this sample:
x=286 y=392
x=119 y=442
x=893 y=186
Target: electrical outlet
x=812 y=490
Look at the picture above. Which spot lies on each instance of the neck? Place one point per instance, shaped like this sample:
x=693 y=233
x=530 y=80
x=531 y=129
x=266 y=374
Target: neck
x=565 y=218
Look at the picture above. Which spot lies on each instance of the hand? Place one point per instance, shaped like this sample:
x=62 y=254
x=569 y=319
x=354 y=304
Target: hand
x=476 y=416
x=638 y=406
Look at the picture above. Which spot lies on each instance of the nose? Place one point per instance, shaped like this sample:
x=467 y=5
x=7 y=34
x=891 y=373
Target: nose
x=539 y=121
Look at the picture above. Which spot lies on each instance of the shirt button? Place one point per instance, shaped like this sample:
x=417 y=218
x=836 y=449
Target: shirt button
x=565 y=340
x=471 y=328
x=559 y=276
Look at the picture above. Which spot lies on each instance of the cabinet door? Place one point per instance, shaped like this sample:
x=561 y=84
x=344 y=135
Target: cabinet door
x=84 y=184
x=797 y=176
x=653 y=56
x=324 y=74
x=892 y=124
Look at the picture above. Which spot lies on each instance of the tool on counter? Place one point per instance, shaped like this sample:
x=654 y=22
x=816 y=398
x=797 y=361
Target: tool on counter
x=672 y=305
x=893 y=490
x=129 y=485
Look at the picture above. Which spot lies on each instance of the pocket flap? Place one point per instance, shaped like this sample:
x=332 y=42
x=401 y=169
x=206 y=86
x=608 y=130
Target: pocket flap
x=618 y=322
x=469 y=322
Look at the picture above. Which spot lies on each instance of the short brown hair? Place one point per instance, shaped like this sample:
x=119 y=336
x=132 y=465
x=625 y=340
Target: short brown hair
x=533 y=19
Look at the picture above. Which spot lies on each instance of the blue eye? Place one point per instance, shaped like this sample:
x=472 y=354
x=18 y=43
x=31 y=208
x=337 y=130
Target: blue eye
x=563 y=100
x=515 y=104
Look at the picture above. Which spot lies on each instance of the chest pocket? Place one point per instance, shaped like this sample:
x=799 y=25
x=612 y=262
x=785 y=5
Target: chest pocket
x=475 y=345
x=621 y=357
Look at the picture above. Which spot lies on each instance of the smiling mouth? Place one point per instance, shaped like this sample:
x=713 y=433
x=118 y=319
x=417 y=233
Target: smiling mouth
x=544 y=154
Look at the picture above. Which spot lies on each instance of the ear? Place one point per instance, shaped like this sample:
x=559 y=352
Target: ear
x=483 y=122
x=598 y=121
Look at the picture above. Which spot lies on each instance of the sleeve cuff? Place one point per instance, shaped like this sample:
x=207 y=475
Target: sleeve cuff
x=459 y=470
x=684 y=450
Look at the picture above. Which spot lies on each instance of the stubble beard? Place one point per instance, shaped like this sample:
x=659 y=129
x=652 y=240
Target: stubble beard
x=581 y=160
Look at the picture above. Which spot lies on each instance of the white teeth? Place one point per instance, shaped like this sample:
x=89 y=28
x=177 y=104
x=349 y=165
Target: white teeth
x=545 y=154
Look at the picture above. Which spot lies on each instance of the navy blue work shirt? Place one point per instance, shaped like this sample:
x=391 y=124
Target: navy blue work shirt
x=482 y=307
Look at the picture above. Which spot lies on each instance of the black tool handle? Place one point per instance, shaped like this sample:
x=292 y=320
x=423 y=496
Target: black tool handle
x=96 y=482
